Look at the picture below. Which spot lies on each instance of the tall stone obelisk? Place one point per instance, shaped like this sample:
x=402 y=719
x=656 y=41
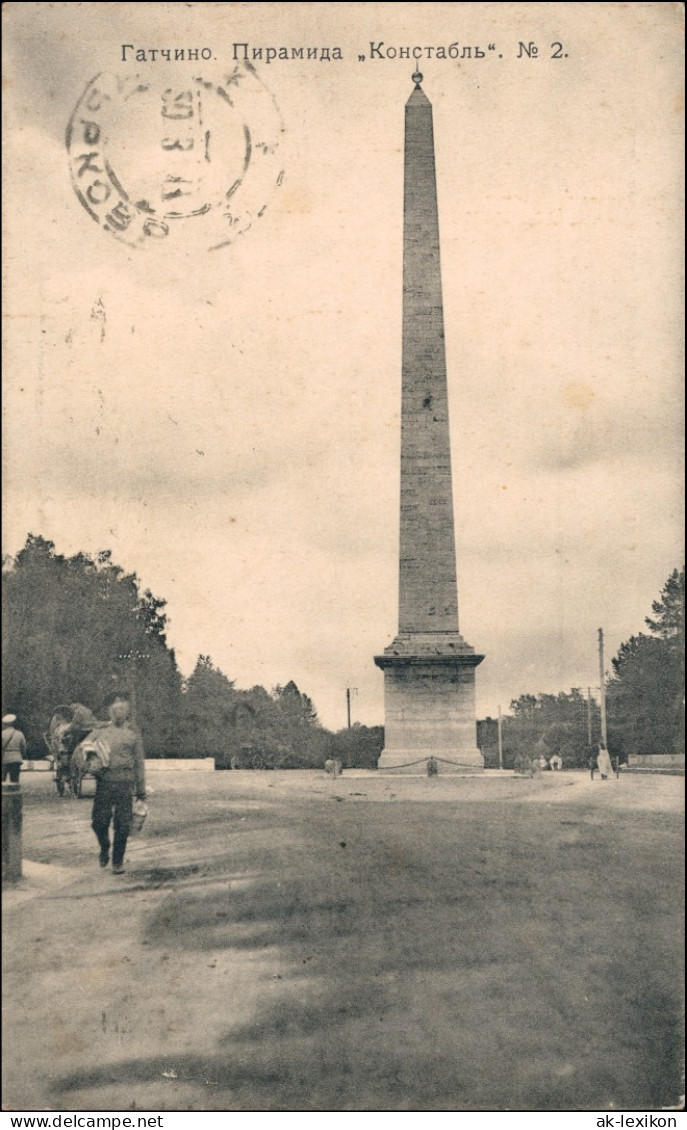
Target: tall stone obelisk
x=429 y=669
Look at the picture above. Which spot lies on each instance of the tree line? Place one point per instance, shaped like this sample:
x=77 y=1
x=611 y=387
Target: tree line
x=644 y=700
x=81 y=629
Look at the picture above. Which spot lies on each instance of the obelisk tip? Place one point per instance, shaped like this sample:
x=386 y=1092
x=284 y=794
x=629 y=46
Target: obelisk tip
x=417 y=79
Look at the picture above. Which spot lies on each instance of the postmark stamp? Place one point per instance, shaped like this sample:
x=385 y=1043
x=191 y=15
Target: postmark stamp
x=176 y=158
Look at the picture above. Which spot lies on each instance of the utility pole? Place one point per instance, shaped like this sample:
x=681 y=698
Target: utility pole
x=131 y=659
x=500 y=731
x=602 y=690
x=589 y=716
x=349 y=692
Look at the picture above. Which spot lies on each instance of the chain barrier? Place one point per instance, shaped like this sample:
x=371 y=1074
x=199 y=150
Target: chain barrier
x=405 y=765
x=423 y=760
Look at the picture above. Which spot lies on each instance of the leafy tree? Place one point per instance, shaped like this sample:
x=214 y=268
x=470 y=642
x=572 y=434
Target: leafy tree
x=208 y=701
x=646 y=692
x=76 y=629
x=541 y=725
x=302 y=739
x=356 y=747
x=669 y=611
x=297 y=707
x=258 y=730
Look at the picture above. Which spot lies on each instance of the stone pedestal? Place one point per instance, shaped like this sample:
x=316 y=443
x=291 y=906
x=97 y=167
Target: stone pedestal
x=429 y=703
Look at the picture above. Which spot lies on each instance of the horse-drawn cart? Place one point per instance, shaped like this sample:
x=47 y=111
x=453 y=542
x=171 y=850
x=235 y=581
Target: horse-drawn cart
x=67 y=729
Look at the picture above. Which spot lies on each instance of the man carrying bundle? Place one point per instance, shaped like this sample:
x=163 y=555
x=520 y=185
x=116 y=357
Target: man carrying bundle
x=123 y=776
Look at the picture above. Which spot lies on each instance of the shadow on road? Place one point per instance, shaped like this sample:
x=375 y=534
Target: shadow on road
x=432 y=966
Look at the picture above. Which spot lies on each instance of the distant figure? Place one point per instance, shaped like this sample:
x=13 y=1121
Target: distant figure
x=332 y=767
x=604 y=763
x=432 y=767
x=13 y=749
x=556 y=761
x=124 y=776
x=543 y=763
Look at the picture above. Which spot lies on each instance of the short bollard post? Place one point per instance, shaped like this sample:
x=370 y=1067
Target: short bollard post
x=11 y=832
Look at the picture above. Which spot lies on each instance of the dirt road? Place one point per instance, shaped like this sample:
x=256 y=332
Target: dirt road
x=285 y=942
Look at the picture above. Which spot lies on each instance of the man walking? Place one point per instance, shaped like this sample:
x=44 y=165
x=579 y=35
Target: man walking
x=123 y=776
x=13 y=749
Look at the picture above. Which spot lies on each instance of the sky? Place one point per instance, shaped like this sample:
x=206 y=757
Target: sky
x=227 y=422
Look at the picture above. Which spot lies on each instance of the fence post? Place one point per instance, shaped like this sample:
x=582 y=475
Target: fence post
x=11 y=832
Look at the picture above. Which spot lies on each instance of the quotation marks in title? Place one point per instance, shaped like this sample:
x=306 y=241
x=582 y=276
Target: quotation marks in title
x=529 y=50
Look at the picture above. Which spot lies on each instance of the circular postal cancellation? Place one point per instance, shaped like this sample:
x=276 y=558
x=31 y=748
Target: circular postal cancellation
x=176 y=159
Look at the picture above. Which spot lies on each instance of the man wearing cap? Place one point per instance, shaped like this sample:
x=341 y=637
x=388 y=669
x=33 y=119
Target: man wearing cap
x=124 y=776
x=13 y=749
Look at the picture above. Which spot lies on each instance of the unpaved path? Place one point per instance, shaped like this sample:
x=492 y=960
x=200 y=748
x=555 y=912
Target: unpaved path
x=285 y=942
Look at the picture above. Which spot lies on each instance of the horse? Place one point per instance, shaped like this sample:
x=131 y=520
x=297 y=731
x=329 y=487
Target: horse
x=60 y=740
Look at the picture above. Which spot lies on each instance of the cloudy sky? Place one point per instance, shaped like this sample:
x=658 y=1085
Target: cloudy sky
x=227 y=422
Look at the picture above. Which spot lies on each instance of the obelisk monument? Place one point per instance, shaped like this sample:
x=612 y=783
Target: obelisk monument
x=429 y=669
